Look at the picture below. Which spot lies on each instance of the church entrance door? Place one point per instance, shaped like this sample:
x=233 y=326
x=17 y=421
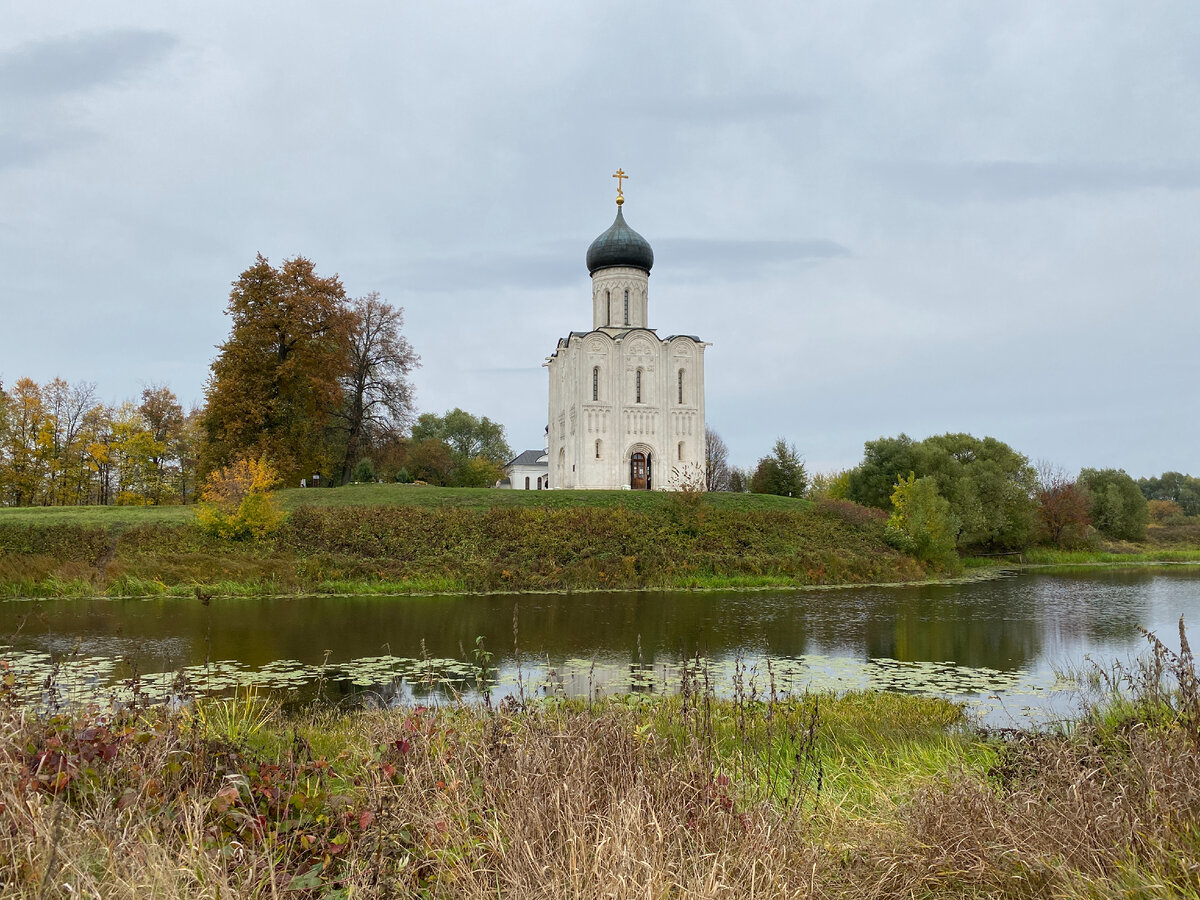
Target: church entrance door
x=639 y=471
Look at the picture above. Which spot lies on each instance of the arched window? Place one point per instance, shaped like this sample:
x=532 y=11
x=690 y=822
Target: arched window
x=608 y=307
x=626 y=306
x=681 y=385
x=597 y=449
x=539 y=483
x=595 y=382
x=637 y=387
x=526 y=482
x=681 y=450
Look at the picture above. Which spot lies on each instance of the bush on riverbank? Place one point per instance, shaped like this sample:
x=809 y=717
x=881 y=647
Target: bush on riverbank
x=682 y=541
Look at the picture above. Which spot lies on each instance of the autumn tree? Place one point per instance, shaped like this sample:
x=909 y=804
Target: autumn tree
x=279 y=377
x=29 y=446
x=1063 y=506
x=69 y=406
x=430 y=460
x=378 y=398
x=716 y=462
x=162 y=416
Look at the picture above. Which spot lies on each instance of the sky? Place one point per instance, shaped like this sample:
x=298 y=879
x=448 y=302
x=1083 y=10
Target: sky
x=885 y=217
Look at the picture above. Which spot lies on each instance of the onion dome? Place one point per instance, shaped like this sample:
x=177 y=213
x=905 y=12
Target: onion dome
x=619 y=246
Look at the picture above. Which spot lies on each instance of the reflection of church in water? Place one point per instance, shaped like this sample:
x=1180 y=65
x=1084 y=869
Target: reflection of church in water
x=626 y=406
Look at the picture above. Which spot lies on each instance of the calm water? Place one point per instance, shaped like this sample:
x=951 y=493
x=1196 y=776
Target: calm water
x=996 y=645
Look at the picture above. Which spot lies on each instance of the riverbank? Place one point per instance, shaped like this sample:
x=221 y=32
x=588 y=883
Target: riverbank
x=865 y=794
x=432 y=540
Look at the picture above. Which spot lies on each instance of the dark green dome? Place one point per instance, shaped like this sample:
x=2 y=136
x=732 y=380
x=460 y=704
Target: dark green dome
x=619 y=246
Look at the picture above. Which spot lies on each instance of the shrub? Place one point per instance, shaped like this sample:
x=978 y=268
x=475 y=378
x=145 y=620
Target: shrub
x=237 y=503
x=1163 y=511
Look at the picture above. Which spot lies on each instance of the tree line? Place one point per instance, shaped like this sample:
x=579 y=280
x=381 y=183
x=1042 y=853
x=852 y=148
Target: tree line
x=955 y=493
x=309 y=380
x=61 y=446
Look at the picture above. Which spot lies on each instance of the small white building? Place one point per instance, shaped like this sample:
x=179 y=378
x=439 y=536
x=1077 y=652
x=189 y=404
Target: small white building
x=528 y=471
x=626 y=406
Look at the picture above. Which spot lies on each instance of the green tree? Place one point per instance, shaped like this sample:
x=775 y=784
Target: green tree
x=1118 y=508
x=922 y=522
x=278 y=379
x=885 y=461
x=1174 y=486
x=476 y=472
x=466 y=435
x=781 y=472
x=739 y=480
x=989 y=486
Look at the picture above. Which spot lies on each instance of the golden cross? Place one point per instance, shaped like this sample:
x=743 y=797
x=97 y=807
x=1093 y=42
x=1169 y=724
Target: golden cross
x=620 y=176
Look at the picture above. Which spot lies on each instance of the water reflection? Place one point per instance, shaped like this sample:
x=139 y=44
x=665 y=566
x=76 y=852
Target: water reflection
x=1024 y=624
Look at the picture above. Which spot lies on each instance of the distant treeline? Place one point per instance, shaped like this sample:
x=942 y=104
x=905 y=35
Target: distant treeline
x=60 y=446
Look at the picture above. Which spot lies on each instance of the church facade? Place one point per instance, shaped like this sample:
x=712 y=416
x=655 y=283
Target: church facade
x=626 y=406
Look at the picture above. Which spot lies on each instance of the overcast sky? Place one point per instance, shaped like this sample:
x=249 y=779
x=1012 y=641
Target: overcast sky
x=886 y=217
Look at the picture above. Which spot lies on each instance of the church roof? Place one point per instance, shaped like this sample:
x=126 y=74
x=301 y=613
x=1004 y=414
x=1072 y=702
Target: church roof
x=530 y=458
x=620 y=245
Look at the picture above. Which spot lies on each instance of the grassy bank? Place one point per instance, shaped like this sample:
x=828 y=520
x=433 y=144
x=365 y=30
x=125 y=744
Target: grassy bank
x=445 y=540
x=860 y=795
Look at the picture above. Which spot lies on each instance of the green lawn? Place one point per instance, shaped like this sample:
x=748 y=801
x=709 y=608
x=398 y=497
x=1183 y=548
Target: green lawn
x=394 y=495
x=488 y=498
x=96 y=516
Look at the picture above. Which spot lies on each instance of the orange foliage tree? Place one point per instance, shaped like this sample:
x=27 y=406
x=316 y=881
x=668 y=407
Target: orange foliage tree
x=278 y=378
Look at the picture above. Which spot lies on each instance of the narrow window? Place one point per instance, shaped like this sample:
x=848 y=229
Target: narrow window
x=539 y=483
x=526 y=482
x=595 y=382
x=608 y=307
x=638 y=387
x=626 y=306
x=681 y=450
x=597 y=449
x=681 y=385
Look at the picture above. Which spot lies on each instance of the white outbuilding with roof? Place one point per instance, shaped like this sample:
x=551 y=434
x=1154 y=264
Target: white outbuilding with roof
x=528 y=471
x=626 y=406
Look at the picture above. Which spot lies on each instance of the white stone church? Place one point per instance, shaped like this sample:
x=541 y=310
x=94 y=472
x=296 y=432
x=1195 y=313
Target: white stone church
x=626 y=406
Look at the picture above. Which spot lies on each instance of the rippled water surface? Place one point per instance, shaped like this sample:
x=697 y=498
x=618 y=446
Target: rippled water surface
x=997 y=645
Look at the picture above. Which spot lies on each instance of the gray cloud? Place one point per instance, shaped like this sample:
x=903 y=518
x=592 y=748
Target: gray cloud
x=1014 y=181
x=737 y=259
x=77 y=63
x=561 y=264
x=725 y=109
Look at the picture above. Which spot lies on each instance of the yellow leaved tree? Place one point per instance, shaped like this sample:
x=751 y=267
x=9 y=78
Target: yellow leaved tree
x=237 y=501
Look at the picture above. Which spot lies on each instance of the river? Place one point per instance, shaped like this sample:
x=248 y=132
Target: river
x=1007 y=647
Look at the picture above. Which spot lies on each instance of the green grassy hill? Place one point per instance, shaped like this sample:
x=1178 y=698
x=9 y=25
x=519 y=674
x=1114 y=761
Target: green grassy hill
x=387 y=495
x=406 y=539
